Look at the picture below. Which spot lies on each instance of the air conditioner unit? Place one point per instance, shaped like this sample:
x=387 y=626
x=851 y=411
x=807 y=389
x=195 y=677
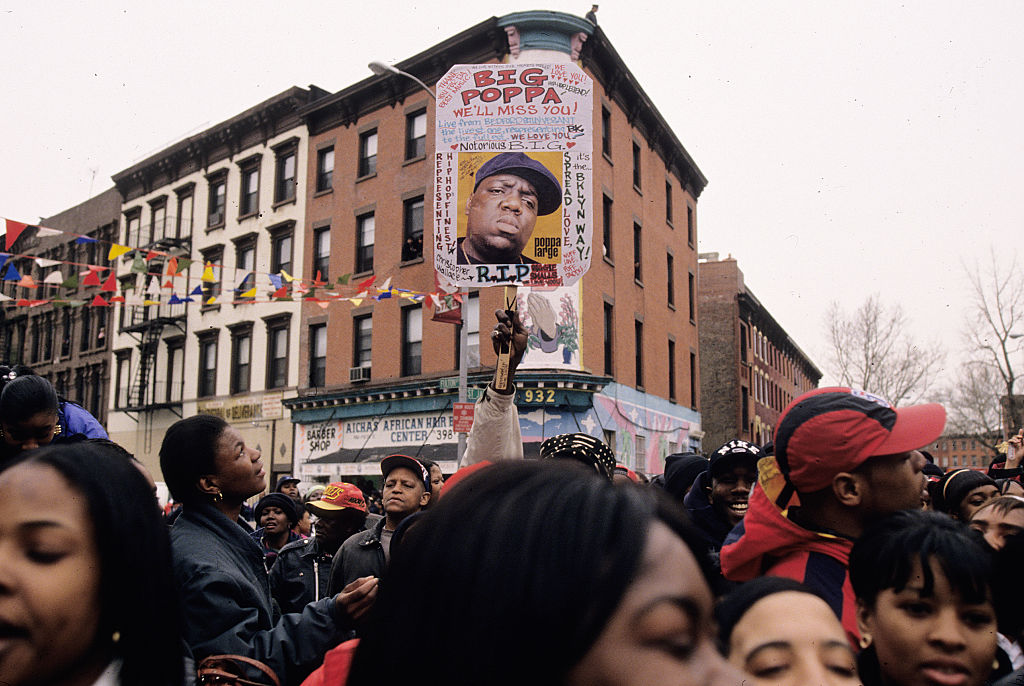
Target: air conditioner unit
x=357 y=374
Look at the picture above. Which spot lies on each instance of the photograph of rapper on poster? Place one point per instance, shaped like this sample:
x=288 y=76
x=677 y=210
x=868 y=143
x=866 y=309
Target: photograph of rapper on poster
x=511 y=198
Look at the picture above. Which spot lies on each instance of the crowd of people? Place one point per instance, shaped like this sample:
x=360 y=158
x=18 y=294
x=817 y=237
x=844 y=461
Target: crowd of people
x=837 y=554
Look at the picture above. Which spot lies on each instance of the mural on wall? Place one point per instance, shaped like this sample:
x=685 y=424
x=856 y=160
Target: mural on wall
x=551 y=315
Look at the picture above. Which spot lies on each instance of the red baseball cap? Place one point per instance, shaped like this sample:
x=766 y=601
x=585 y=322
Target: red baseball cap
x=836 y=429
x=338 y=496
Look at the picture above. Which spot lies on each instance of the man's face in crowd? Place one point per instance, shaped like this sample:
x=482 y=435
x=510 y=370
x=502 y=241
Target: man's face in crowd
x=290 y=489
x=273 y=520
x=892 y=483
x=436 y=481
x=334 y=527
x=730 y=491
x=403 y=492
x=502 y=213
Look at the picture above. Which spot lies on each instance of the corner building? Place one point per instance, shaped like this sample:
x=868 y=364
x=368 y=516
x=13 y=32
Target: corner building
x=377 y=376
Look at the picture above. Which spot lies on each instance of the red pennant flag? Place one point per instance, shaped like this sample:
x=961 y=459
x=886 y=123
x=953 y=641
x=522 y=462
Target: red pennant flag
x=150 y=255
x=169 y=284
x=92 y=278
x=366 y=284
x=98 y=301
x=172 y=266
x=117 y=299
x=14 y=230
x=110 y=284
x=281 y=292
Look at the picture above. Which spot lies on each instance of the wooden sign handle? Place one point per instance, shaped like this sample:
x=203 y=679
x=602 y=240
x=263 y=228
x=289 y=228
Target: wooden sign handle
x=501 y=372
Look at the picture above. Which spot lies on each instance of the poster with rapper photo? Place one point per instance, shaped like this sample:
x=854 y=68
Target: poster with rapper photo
x=513 y=167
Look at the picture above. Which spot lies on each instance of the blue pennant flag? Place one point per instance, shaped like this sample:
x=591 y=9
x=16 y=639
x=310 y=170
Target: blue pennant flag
x=12 y=273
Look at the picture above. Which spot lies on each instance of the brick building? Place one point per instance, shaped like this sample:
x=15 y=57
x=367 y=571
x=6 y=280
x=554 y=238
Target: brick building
x=750 y=367
x=954 y=451
x=376 y=377
x=68 y=344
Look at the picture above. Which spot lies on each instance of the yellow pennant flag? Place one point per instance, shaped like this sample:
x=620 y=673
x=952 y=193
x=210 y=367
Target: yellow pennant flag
x=116 y=251
x=356 y=302
x=208 y=273
x=287 y=277
x=251 y=293
x=211 y=300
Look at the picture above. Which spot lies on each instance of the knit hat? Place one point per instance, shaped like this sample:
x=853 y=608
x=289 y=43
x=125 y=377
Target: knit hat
x=955 y=486
x=836 y=429
x=276 y=500
x=681 y=470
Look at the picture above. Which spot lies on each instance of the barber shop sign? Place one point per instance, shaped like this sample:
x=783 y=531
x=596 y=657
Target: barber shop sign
x=513 y=167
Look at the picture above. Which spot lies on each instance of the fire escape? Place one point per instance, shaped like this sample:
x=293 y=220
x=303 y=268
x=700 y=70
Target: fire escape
x=148 y=325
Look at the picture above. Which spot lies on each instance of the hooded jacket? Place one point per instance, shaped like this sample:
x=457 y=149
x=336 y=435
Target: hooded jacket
x=769 y=543
x=226 y=603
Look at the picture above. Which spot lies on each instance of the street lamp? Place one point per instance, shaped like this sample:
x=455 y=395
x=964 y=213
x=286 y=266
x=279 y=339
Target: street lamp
x=380 y=69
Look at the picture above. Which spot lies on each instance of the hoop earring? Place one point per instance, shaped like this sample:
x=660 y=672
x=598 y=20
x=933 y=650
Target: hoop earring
x=865 y=642
x=218 y=496
x=56 y=429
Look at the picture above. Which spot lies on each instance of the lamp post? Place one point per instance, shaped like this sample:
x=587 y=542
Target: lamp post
x=380 y=69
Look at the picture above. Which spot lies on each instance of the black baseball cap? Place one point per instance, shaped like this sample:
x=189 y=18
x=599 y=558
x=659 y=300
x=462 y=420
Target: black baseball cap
x=549 y=191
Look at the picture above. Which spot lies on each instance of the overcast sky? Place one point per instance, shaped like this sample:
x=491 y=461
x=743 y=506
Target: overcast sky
x=850 y=147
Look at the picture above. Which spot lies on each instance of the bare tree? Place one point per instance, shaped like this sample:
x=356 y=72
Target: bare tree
x=972 y=403
x=997 y=309
x=872 y=349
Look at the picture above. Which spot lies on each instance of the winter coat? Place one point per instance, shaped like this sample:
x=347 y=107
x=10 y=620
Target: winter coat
x=226 y=602
x=769 y=543
x=293 y=578
x=360 y=555
x=76 y=423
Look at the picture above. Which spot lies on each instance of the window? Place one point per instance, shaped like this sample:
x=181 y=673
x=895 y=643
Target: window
x=218 y=200
x=693 y=380
x=671 y=282
x=317 y=354
x=638 y=341
x=207 y=366
x=245 y=263
x=671 y=369
x=744 y=406
x=122 y=377
x=241 y=359
x=637 y=245
x=65 y=341
x=213 y=257
x=248 y=203
x=636 y=165
x=185 y=205
x=322 y=253
x=85 y=340
x=640 y=443
x=691 y=300
x=101 y=327
x=415 y=135
x=362 y=340
x=281 y=251
x=609 y=335
x=158 y=220
x=743 y=343
x=471 y=320
x=606 y=132
x=284 y=185
x=133 y=221
x=668 y=202
x=48 y=337
x=96 y=392
x=689 y=225
x=325 y=169
x=367 y=153
x=606 y=214
x=37 y=339
x=412 y=234
x=175 y=367
x=412 y=340
x=364 y=242
x=277 y=353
